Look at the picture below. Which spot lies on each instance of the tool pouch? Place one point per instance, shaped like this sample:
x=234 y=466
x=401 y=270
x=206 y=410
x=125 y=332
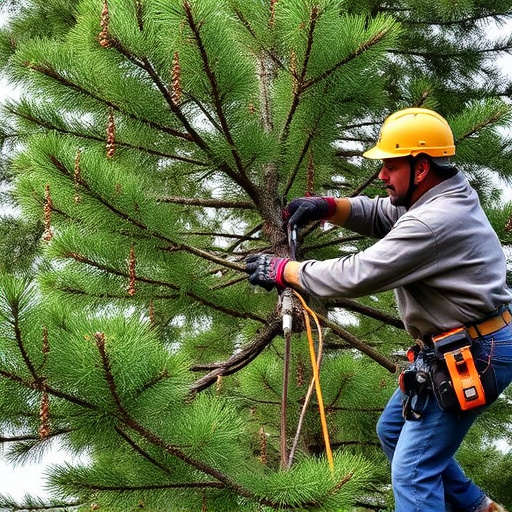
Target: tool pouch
x=459 y=381
x=414 y=384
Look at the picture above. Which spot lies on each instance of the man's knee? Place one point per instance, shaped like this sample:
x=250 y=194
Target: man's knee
x=386 y=435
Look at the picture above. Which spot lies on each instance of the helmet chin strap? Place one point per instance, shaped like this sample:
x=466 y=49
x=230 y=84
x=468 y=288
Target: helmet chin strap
x=412 y=186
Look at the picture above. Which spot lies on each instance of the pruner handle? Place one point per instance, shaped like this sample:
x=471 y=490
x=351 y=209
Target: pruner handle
x=292 y=240
x=287 y=310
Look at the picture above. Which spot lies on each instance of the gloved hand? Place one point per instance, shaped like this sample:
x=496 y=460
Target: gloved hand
x=304 y=209
x=266 y=270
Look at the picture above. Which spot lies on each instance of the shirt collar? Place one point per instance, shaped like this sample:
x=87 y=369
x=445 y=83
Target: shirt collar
x=455 y=183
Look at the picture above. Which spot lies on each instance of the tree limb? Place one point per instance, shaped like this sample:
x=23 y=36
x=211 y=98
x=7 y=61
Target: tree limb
x=111 y=270
x=358 y=344
x=242 y=358
x=207 y=203
x=375 y=39
x=175 y=245
x=52 y=73
x=52 y=127
x=368 y=311
x=217 y=102
x=299 y=85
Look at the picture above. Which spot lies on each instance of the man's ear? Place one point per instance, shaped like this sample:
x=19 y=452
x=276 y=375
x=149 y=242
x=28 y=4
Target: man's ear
x=421 y=172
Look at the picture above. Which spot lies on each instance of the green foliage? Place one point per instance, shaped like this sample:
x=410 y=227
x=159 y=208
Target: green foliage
x=19 y=244
x=152 y=148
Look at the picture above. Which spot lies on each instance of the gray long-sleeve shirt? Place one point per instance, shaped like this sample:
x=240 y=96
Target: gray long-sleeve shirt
x=441 y=256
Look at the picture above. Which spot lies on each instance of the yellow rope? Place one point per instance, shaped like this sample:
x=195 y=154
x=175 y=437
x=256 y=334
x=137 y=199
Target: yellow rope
x=316 y=376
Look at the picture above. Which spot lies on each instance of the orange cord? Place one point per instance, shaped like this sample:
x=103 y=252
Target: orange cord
x=316 y=376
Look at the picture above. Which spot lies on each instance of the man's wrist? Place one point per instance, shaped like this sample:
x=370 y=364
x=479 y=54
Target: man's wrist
x=342 y=211
x=290 y=274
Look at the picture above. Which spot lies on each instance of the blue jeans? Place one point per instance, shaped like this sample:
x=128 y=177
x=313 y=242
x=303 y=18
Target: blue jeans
x=425 y=475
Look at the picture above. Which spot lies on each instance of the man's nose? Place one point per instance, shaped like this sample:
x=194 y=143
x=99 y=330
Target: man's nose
x=383 y=175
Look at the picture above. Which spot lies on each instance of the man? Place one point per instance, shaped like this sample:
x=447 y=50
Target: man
x=439 y=253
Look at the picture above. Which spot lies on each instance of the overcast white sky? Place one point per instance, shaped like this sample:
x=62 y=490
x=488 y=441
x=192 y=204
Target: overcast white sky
x=28 y=478
x=20 y=480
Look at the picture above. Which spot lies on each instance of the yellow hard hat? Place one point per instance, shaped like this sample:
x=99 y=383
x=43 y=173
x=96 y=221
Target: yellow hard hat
x=413 y=131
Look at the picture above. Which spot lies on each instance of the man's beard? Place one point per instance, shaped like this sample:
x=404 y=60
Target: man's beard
x=397 y=199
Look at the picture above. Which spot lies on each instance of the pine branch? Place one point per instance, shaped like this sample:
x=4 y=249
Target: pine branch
x=247 y=236
x=16 y=439
x=484 y=124
x=446 y=23
x=358 y=344
x=347 y=153
x=375 y=39
x=258 y=401
x=331 y=492
x=370 y=312
x=365 y=184
x=49 y=126
x=30 y=504
x=242 y=358
x=205 y=255
x=175 y=246
x=432 y=55
x=159 y=442
x=155 y=380
x=217 y=235
x=140 y=15
x=111 y=270
x=144 y=64
x=99 y=338
x=19 y=341
x=192 y=134
x=296 y=169
x=272 y=55
x=217 y=102
x=150 y=487
x=299 y=80
x=337 y=396
x=207 y=203
x=363 y=124
x=117 y=297
x=229 y=283
x=39 y=386
x=141 y=451
x=207 y=113
x=314 y=17
x=53 y=74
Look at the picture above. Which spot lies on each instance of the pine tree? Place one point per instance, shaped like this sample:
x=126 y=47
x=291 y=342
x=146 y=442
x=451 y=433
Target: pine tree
x=158 y=143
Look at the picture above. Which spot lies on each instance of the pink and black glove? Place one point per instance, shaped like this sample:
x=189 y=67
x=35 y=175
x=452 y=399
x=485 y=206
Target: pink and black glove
x=302 y=210
x=266 y=270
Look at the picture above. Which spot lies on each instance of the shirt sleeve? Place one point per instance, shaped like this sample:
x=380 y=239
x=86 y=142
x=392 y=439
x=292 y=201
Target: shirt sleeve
x=408 y=253
x=373 y=217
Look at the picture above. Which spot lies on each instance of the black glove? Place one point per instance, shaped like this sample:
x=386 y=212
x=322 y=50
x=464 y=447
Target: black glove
x=266 y=270
x=304 y=209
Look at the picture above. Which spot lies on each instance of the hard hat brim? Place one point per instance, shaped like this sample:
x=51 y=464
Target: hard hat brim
x=377 y=153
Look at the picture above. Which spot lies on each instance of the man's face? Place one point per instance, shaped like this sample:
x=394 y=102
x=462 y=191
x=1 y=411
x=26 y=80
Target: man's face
x=396 y=175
